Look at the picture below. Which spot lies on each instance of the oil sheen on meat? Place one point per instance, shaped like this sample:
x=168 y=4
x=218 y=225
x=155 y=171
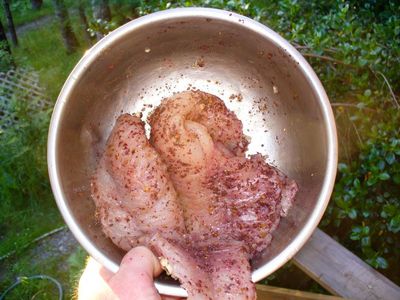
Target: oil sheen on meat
x=191 y=195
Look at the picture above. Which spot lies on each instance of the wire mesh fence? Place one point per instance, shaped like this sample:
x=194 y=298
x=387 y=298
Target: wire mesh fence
x=20 y=85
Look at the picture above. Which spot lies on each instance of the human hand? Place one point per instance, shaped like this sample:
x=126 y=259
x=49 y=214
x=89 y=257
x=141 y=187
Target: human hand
x=134 y=279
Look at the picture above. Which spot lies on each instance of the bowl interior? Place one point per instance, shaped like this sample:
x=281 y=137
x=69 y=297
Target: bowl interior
x=221 y=53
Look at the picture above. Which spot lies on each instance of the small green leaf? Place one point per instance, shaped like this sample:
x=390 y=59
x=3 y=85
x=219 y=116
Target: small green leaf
x=390 y=158
x=361 y=105
x=356 y=233
x=352 y=214
x=366 y=213
x=342 y=167
x=394 y=224
x=352 y=193
x=384 y=176
x=389 y=209
x=356 y=183
x=362 y=62
x=395 y=142
x=371 y=181
x=381 y=165
x=381 y=262
x=367 y=93
x=396 y=178
x=366 y=241
x=365 y=230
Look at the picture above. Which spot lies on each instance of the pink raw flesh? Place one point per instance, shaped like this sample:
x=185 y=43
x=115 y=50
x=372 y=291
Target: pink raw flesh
x=131 y=188
x=211 y=269
x=191 y=195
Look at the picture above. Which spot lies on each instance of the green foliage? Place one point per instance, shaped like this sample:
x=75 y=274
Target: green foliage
x=5 y=57
x=23 y=13
x=65 y=268
x=366 y=199
x=27 y=207
x=25 y=195
x=43 y=50
x=31 y=288
x=99 y=27
x=76 y=262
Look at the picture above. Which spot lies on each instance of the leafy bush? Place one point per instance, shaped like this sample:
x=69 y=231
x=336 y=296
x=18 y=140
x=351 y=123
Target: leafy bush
x=99 y=27
x=366 y=204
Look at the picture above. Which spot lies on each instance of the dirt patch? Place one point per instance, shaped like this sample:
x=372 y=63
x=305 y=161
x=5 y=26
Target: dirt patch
x=60 y=244
x=35 y=24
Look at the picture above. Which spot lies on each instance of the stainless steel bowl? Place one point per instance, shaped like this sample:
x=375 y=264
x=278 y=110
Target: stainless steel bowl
x=256 y=72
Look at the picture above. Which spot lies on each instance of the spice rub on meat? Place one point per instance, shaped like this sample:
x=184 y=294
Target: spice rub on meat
x=131 y=188
x=191 y=195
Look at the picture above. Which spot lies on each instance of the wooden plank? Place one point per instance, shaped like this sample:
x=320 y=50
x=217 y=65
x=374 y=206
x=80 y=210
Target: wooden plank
x=274 y=293
x=341 y=272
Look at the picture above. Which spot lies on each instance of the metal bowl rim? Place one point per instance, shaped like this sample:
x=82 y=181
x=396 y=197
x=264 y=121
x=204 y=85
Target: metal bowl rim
x=230 y=17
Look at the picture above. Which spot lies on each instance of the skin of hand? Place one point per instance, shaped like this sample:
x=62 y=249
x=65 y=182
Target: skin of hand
x=134 y=279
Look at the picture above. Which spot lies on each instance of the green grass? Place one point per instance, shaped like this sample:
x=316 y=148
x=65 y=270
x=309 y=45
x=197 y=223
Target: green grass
x=66 y=269
x=23 y=13
x=27 y=206
x=44 y=50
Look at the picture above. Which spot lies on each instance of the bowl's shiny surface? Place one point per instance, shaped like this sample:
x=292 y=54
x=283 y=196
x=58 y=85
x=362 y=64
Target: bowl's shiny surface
x=258 y=74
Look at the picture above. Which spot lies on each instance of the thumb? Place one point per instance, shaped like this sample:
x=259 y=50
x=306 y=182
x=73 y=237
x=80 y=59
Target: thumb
x=134 y=279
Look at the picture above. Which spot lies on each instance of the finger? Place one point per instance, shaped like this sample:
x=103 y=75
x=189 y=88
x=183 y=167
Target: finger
x=92 y=277
x=105 y=273
x=134 y=279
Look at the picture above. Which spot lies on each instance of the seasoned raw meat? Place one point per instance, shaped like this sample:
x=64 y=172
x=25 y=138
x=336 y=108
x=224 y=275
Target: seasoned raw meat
x=211 y=269
x=183 y=128
x=131 y=188
x=222 y=193
x=191 y=195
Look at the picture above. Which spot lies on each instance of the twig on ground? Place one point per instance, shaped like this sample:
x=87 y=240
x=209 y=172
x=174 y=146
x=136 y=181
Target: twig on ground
x=334 y=104
x=390 y=89
x=328 y=58
x=355 y=129
x=298 y=46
